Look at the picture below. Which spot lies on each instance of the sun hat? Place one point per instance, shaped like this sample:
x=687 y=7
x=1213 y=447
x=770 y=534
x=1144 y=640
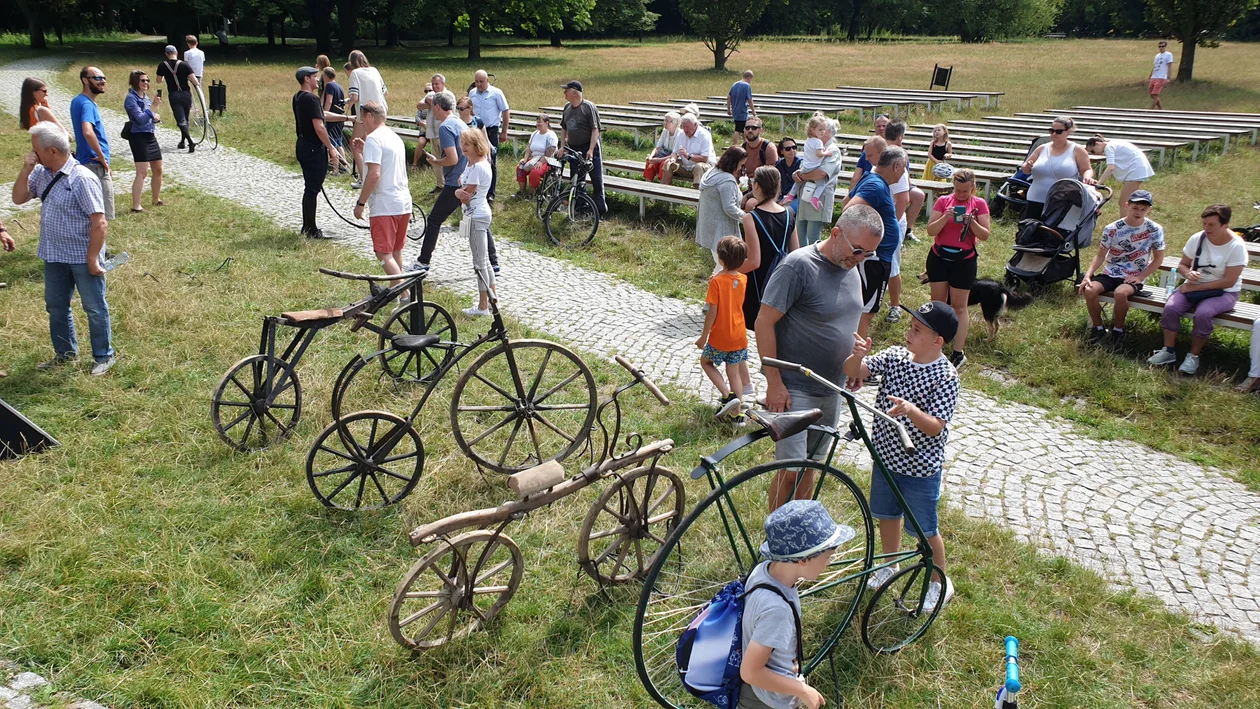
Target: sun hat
x=938 y=316
x=801 y=529
x=1142 y=196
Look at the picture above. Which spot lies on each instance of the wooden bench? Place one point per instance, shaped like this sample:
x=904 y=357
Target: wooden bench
x=996 y=96
x=809 y=106
x=1209 y=116
x=1242 y=317
x=1239 y=129
x=674 y=194
x=1104 y=124
x=896 y=102
x=514 y=138
x=1250 y=276
x=1032 y=128
x=1005 y=135
x=631 y=126
x=658 y=109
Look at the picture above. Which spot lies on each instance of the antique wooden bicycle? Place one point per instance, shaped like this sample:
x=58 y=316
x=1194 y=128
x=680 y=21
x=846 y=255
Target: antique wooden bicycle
x=465 y=580
x=258 y=402
x=518 y=405
x=722 y=535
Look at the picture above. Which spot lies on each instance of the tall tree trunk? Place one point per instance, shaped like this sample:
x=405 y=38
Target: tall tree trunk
x=320 y=10
x=854 y=18
x=719 y=55
x=284 y=34
x=474 y=31
x=1185 y=69
x=271 y=31
x=391 y=32
x=57 y=28
x=30 y=8
x=450 y=34
x=555 y=38
x=347 y=23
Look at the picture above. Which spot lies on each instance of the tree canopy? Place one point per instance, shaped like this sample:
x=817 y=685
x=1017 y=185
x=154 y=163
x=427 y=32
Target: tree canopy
x=1197 y=23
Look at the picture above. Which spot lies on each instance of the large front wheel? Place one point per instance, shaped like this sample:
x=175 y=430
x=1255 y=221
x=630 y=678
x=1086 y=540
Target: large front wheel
x=720 y=541
x=523 y=403
x=572 y=219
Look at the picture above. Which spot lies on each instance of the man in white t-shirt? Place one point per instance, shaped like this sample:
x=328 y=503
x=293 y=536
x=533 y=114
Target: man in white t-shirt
x=195 y=58
x=385 y=192
x=1159 y=75
x=693 y=154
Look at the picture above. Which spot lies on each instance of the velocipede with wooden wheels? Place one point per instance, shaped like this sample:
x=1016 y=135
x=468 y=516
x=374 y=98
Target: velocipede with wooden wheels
x=463 y=581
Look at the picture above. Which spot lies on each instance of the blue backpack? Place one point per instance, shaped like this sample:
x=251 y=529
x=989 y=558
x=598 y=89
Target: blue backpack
x=710 y=651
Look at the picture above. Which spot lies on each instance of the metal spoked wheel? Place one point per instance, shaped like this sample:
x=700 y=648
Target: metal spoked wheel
x=719 y=541
x=342 y=201
x=212 y=139
x=417 y=319
x=257 y=403
x=548 y=190
x=628 y=524
x=455 y=589
x=199 y=118
x=419 y=221
x=523 y=403
x=572 y=219
x=367 y=460
x=892 y=619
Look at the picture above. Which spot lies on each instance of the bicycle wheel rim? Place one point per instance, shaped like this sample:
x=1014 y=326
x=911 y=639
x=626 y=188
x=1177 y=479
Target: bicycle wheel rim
x=572 y=219
x=677 y=586
x=199 y=118
x=892 y=620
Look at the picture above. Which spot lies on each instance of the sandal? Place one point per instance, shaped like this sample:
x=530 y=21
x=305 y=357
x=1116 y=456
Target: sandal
x=136 y=211
x=159 y=203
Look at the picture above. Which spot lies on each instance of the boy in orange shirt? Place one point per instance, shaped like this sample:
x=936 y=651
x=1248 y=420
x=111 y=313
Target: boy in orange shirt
x=725 y=338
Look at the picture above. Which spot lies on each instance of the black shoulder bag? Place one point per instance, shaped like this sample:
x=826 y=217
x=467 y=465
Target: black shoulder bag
x=1199 y=296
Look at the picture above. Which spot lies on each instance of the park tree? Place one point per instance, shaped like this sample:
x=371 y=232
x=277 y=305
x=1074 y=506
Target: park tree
x=987 y=20
x=1196 y=23
x=626 y=16
x=721 y=24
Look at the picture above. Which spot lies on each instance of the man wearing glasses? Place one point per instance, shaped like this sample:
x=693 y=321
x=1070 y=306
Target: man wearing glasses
x=1159 y=75
x=91 y=147
x=760 y=152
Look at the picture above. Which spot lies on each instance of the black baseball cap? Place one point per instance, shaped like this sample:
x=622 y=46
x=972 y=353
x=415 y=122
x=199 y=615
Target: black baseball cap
x=305 y=72
x=575 y=85
x=1142 y=196
x=938 y=316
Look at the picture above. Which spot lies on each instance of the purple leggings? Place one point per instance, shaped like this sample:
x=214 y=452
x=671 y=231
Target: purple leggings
x=1177 y=306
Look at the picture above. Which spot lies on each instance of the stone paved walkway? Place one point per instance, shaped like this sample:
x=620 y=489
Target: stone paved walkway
x=1141 y=518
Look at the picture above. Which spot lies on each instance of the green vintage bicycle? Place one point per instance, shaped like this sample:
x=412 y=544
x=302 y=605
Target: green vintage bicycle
x=720 y=539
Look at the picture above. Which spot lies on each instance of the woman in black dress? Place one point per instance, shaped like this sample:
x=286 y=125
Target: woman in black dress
x=144 y=146
x=769 y=233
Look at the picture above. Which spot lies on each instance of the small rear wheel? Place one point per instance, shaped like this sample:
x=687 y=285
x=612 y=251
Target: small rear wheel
x=419 y=221
x=629 y=523
x=572 y=219
x=367 y=460
x=257 y=403
x=895 y=618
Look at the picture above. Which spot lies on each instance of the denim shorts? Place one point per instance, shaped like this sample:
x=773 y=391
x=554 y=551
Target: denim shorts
x=922 y=496
x=717 y=356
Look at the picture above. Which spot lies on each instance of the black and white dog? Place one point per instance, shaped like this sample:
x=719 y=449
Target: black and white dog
x=994 y=300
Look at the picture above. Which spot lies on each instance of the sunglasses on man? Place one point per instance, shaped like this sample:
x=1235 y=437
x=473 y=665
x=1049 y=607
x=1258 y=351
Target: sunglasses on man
x=97 y=78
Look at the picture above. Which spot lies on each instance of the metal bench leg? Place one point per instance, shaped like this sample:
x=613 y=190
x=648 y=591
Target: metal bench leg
x=1194 y=155
x=642 y=208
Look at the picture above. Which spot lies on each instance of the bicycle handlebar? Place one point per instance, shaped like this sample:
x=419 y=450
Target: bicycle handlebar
x=642 y=379
x=1012 y=665
x=369 y=277
x=906 y=443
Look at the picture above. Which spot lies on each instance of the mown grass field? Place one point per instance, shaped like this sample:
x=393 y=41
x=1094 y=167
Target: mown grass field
x=1040 y=350
x=145 y=565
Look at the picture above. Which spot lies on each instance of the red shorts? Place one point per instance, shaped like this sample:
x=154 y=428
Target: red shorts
x=1154 y=86
x=389 y=234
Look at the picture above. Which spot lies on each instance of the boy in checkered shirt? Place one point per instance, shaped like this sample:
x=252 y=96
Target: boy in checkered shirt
x=919 y=386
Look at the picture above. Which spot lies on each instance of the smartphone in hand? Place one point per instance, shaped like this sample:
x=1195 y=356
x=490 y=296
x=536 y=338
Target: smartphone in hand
x=159 y=93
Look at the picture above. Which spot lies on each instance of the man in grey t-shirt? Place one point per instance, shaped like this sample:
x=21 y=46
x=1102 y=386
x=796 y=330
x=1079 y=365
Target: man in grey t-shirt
x=579 y=131
x=808 y=315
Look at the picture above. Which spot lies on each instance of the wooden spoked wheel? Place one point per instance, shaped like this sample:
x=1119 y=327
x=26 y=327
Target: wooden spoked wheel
x=367 y=460
x=423 y=318
x=523 y=403
x=455 y=589
x=629 y=523
x=257 y=403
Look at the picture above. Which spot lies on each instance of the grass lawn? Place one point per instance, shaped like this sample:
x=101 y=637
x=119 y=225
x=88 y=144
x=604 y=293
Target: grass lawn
x=1040 y=350
x=146 y=565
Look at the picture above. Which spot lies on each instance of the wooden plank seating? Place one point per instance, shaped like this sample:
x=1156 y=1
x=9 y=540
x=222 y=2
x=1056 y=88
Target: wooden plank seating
x=1242 y=317
x=527 y=118
x=1250 y=276
x=514 y=138
x=980 y=130
x=1031 y=127
x=1239 y=129
x=658 y=109
x=1103 y=124
x=1253 y=251
x=1206 y=116
x=674 y=194
x=809 y=106
x=995 y=96
x=896 y=101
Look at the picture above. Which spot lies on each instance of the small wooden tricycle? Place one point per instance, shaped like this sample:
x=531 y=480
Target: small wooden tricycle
x=463 y=581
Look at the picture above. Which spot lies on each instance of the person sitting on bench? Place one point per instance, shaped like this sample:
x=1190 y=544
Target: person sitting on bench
x=1130 y=251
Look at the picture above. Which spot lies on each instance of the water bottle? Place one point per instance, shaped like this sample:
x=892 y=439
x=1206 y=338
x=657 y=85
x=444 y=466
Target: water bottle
x=115 y=261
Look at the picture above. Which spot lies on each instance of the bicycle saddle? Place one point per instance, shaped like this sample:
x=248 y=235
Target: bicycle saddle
x=789 y=423
x=414 y=343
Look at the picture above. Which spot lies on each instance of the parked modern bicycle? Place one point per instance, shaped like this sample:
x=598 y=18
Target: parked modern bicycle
x=464 y=581
x=520 y=404
x=719 y=541
x=572 y=216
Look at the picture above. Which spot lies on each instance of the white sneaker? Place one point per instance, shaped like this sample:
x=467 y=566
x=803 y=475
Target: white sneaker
x=102 y=367
x=475 y=312
x=1162 y=357
x=1190 y=365
x=934 y=595
x=879 y=578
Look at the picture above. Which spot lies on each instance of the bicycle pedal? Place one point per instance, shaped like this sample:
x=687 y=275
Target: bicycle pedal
x=852 y=433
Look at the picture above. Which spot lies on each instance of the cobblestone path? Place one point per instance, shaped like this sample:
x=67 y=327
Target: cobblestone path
x=1144 y=519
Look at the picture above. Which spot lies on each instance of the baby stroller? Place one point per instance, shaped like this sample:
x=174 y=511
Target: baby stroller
x=1014 y=191
x=1048 y=250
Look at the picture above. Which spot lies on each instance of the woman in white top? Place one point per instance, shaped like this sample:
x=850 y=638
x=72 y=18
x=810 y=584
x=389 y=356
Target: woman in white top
x=665 y=146
x=366 y=85
x=542 y=145
x=1125 y=160
x=1053 y=161
x=475 y=226
x=1212 y=264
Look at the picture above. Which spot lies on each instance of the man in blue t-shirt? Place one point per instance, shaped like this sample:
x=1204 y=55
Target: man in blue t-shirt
x=91 y=146
x=874 y=191
x=452 y=161
x=739 y=101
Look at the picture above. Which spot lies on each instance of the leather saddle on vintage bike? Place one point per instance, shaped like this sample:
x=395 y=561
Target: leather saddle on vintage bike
x=414 y=343
x=787 y=424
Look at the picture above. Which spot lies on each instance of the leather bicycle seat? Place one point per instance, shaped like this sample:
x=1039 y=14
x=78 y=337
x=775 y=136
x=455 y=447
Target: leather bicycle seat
x=789 y=423
x=414 y=343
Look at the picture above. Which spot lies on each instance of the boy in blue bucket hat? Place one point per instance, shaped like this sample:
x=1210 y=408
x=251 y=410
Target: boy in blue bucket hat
x=800 y=539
